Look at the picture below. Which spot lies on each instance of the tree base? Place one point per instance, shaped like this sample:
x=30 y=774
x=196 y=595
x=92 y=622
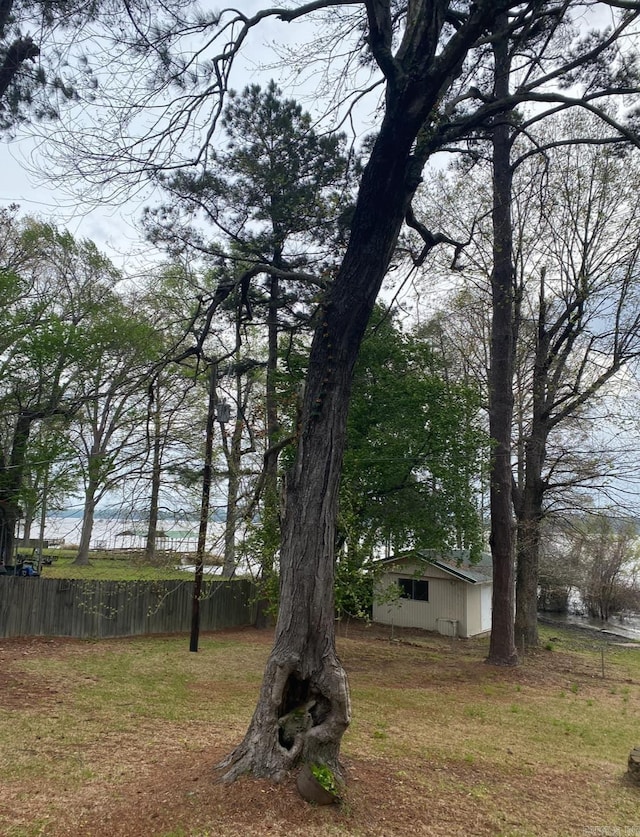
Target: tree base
x=511 y=660
x=300 y=718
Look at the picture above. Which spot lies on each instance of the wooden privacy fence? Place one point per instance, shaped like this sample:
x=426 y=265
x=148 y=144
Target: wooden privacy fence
x=84 y=609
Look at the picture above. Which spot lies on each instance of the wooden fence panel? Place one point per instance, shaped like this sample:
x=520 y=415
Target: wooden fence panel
x=101 y=609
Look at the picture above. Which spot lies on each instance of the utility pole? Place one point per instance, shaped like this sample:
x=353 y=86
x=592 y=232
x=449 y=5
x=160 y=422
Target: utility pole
x=43 y=517
x=204 y=507
x=223 y=415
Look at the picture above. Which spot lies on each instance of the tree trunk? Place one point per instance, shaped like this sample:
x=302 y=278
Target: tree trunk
x=8 y=520
x=27 y=525
x=233 y=493
x=529 y=515
x=82 y=559
x=304 y=705
x=233 y=454
x=528 y=550
x=207 y=474
x=156 y=475
x=502 y=649
x=528 y=501
x=11 y=477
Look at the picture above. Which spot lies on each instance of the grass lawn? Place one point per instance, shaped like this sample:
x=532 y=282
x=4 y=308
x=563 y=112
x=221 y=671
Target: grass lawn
x=120 y=738
x=110 y=565
x=102 y=568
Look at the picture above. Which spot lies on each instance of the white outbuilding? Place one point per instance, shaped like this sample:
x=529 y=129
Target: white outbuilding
x=441 y=592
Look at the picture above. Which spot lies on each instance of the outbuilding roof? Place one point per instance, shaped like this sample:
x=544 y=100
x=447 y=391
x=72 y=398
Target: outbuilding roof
x=456 y=563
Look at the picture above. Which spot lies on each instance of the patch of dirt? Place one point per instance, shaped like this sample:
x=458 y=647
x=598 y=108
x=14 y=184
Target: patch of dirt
x=384 y=799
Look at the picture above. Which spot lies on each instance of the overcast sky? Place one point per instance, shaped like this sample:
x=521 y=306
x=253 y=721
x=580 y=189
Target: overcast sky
x=113 y=228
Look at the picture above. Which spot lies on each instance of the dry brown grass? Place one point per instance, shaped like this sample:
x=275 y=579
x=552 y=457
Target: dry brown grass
x=119 y=738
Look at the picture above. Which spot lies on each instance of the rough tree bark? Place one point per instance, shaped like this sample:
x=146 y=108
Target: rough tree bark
x=528 y=500
x=502 y=646
x=304 y=705
x=11 y=477
x=529 y=518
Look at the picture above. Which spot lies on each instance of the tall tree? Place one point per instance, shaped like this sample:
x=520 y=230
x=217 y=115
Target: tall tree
x=269 y=201
x=585 y=308
x=168 y=304
x=110 y=430
x=502 y=643
x=53 y=286
x=574 y=321
x=430 y=57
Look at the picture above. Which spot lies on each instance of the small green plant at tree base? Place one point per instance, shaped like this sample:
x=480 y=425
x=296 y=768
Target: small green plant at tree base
x=326 y=778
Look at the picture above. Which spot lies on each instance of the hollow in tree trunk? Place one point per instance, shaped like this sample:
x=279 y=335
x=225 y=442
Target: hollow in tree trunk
x=304 y=705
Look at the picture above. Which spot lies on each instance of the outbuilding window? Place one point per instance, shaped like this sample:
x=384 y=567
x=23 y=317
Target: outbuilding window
x=413 y=588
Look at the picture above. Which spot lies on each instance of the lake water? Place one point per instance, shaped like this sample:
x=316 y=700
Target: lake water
x=112 y=533
x=627 y=627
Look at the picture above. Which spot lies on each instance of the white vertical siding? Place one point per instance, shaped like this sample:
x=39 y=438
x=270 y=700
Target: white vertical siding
x=474 y=611
x=455 y=607
x=446 y=601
